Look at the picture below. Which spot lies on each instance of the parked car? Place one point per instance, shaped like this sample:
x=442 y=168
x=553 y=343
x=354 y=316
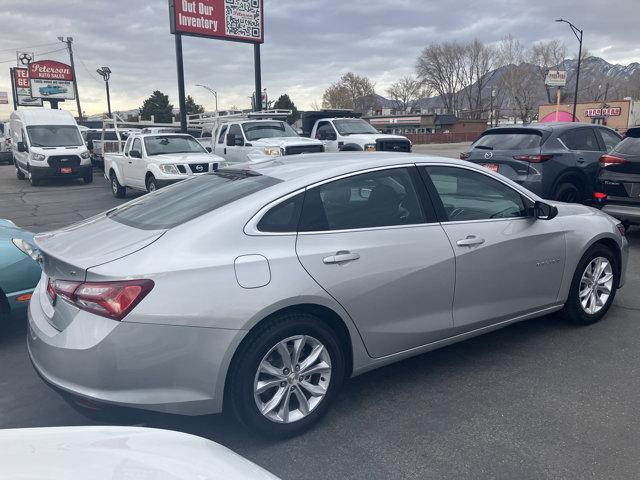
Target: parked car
x=119 y=453
x=47 y=143
x=262 y=287
x=52 y=90
x=557 y=161
x=19 y=269
x=96 y=141
x=618 y=186
x=342 y=131
x=150 y=161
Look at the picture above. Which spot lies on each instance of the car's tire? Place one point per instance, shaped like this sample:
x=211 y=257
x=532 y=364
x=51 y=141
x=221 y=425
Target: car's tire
x=151 y=183
x=33 y=181
x=568 y=192
x=319 y=388
x=588 y=301
x=20 y=174
x=88 y=179
x=118 y=190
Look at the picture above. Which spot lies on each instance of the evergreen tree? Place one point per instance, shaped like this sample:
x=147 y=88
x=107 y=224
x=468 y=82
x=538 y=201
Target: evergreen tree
x=157 y=105
x=192 y=106
x=285 y=103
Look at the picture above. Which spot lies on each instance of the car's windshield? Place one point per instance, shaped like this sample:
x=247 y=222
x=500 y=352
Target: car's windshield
x=54 y=136
x=508 y=140
x=190 y=198
x=258 y=130
x=161 y=144
x=351 y=126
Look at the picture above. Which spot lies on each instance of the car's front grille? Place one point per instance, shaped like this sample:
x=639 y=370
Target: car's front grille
x=181 y=169
x=393 y=145
x=297 y=149
x=199 y=167
x=58 y=161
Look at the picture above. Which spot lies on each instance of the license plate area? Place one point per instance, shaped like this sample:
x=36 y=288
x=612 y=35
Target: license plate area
x=66 y=170
x=490 y=166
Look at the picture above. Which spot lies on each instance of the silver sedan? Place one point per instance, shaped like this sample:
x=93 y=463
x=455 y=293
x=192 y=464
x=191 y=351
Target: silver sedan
x=261 y=288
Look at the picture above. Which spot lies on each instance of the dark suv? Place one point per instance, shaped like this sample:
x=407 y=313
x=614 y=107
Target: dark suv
x=558 y=161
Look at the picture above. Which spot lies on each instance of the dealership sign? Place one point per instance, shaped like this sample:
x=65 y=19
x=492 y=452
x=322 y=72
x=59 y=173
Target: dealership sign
x=237 y=20
x=49 y=79
x=556 y=78
x=603 y=112
x=22 y=89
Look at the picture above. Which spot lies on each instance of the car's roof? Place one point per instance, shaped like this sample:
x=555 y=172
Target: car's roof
x=546 y=126
x=44 y=116
x=316 y=167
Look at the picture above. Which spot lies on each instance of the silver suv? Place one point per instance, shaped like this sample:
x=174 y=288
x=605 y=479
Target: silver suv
x=264 y=287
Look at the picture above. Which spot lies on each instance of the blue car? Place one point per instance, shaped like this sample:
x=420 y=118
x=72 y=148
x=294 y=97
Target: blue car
x=19 y=269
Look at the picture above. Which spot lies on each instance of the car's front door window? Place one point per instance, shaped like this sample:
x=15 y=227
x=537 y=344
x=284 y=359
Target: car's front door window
x=468 y=195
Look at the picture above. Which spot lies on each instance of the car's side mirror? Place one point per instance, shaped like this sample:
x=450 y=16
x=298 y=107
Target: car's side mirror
x=544 y=211
x=22 y=147
x=208 y=149
x=231 y=139
x=135 y=154
x=239 y=141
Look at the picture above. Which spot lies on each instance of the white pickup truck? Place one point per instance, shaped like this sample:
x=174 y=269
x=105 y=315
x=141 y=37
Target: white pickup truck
x=346 y=133
x=258 y=136
x=151 y=161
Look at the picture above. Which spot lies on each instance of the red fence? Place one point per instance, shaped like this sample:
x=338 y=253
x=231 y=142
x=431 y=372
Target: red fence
x=422 y=138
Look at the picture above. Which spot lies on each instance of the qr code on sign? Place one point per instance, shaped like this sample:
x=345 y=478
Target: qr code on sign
x=243 y=18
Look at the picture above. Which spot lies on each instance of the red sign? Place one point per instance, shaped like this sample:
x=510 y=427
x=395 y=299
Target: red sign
x=22 y=77
x=50 y=70
x=237 y=20
x=603 y=112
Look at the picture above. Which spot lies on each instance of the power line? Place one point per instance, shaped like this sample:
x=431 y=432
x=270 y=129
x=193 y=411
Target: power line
x=28 y=48
x=43 y=53
x=85 y=67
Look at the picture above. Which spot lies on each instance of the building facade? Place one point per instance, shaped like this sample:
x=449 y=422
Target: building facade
x=616 y=114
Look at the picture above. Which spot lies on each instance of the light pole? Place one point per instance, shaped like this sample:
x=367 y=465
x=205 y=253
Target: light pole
x=578 y=33
x=105 y=73
x=213 y=92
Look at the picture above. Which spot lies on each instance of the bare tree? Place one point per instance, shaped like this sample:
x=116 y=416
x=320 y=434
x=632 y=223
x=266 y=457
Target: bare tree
x=520 y=79
x=477 y=69
x=406 y=92
x=548 y=56
x=352 y=91
x=316 y=105
x=440 y=67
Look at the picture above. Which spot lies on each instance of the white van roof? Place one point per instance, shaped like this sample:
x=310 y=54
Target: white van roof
x=44 y=116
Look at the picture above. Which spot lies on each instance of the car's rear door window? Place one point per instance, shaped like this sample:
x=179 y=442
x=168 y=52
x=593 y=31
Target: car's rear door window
x=375 y=199
x=609 y=138
x=189 y=199
x=583 y=139
x=468 y=195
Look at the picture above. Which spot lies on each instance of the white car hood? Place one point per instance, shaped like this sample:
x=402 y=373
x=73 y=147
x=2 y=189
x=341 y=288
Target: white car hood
x=118 y=453
x=284 y=142
x=187 y=158
x=371 y=137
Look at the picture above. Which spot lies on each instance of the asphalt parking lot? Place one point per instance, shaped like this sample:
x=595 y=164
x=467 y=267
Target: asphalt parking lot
x=539 y=399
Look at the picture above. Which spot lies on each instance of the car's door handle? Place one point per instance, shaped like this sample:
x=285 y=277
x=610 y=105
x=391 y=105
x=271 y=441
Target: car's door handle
x=470 y=241
x=341 y=257
x=580 y=160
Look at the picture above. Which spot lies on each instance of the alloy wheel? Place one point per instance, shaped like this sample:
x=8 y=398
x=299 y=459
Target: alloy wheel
x=292 y=379
x=596 y=285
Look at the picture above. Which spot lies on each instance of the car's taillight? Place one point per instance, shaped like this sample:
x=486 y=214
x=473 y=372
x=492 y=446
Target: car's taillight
x=599 y=195
x=464 y=155
x=109 y=299
x=533 y=158
x=606 y=160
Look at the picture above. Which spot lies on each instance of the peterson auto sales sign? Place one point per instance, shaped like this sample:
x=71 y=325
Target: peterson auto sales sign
x=51 y=80
x=236 y=20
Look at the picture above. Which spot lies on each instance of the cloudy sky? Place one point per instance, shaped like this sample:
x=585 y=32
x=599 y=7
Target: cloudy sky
x=308 y=43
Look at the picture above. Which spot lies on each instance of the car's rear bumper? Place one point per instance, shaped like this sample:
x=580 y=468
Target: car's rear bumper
x=624 y=213
x=146 y=366
x=54 y=172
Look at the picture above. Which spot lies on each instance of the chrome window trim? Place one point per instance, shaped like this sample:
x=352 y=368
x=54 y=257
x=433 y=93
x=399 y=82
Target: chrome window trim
x=489 y=174
x=251 y=227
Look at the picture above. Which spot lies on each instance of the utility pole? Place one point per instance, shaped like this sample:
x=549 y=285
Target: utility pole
x=578 y=34
x=69 y=41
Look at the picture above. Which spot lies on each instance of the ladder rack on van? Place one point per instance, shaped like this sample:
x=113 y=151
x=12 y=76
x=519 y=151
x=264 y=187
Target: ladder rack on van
x=212 y=120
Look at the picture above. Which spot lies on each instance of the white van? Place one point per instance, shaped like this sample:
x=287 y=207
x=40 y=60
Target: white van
x=46 y=143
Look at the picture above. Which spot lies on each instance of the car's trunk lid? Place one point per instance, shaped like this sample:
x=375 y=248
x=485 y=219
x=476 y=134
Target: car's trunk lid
x=69 y=252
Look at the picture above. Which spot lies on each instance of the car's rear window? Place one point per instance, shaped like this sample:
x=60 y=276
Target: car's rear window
x=508 y=140
x=629 y=146
x=191 y=198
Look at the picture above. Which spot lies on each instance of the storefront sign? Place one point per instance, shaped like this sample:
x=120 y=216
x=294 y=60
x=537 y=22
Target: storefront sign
x=556 y=78
x=49 y=79
x=237 y=20
x=603 y=112
x=395 y=121
x=23 y=89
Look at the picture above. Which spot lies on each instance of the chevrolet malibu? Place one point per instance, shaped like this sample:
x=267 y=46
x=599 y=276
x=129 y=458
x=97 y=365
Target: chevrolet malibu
x=261 y=288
